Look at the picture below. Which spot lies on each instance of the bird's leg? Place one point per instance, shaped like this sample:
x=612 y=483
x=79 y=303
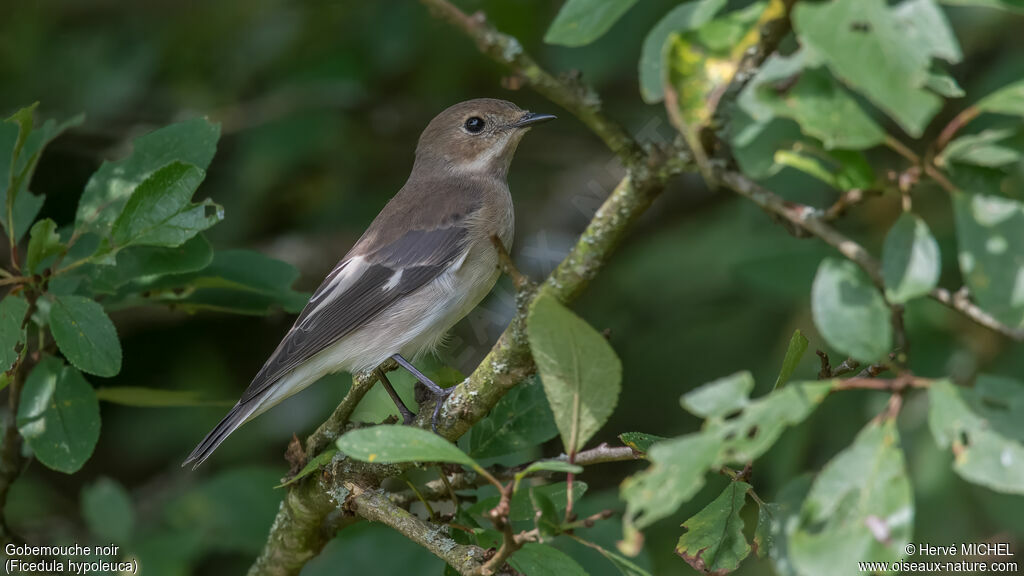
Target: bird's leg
x=407 y=415
x=439 y=394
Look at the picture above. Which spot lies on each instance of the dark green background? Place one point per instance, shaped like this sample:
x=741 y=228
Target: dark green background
x=321 y=104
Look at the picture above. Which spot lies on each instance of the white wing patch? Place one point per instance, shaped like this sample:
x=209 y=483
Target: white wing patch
x=349 y=272
x=393 y=281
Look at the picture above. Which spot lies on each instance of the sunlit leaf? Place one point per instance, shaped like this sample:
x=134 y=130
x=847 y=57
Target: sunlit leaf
x=719 y=397
x=579 y=369
x=59 y=416
x=849 y=312
x=984 y=427
x=639 y=441
x=686 y=16
x=990 y=237
x=43 y=243
x=860 y=506
x=910 y=259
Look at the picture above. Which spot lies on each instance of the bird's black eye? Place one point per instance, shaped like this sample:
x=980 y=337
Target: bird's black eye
x=474 y=125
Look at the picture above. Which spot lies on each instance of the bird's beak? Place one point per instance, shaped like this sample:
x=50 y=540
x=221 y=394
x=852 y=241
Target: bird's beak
x=531 y=118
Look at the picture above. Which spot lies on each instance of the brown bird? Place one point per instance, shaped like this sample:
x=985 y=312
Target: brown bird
x=425 y=261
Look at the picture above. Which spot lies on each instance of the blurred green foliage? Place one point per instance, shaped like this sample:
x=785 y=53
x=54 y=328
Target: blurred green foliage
x=320 y=105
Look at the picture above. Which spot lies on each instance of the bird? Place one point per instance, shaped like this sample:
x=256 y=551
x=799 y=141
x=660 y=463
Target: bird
x=428 y=258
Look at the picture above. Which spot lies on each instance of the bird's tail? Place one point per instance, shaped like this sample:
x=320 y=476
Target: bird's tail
x=235 y=418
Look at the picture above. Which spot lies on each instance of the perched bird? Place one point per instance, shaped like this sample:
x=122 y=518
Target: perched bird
x=425 y=261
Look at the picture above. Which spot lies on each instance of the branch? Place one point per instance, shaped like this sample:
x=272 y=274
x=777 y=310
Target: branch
x=811 y=220
x=374 y=506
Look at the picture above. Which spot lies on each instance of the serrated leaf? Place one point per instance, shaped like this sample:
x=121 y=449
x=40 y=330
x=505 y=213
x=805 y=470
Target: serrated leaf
x=849 y=312
x=860 y=506
x=43 y=243
x=108 y=511
x=142 y=397
x=719 y=397
x=543 y=560
x=161 y=213
x=314 y=464
x=983 y=427
x=1007 y=100
x=713 y=542
x=522 y=418
x=794 y=352
x=676 y=473
x=59 y=416
x=108 y=190
x=12 y=333
x=990 y=238
x=580 y=22
x=910 y=260
x=396 y=444
x=865 y=44
x=85 y=335
x=639 y=441
x=579 y=369
x=687 y=16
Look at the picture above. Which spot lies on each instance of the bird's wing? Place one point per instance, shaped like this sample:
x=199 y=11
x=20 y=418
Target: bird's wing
x=360 y=287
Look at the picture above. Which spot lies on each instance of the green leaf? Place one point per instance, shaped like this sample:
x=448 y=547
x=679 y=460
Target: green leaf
x=982 y=149
x=865 y=44
x=751 y=433
x=521 y=419
x=314 y=464
x=794 y=352
x=543 y=560
x=580 y=22
x=944 y=85
x=43 y=243
x=926 y=27
x=396 y=444
x=141 y=397
x=860 y=506
x=85 y=335
x=59 y=416
x=547 y=466
x=714 y=541
x=823 y=109
x=841 y=169
x=676 y=473
x=141 y=266
x=776 y=522
x=983 y=427
x=161 y=211
x=719 y=397
x=1007 y=100
x=990 y=237
x=546 y=518
x=688 y=16
x=580 y=371
x=108 y=511
x=237 y=281
x=910 y=260
x=12 y=333
x=108 y=190
x=849 y=312
x=639 y=441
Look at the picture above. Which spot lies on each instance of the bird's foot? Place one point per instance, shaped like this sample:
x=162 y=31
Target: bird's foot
x=407 y=415
x=437 y=392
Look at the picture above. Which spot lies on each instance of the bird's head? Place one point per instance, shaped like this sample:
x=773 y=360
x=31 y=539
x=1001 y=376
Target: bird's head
x=475 y=137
